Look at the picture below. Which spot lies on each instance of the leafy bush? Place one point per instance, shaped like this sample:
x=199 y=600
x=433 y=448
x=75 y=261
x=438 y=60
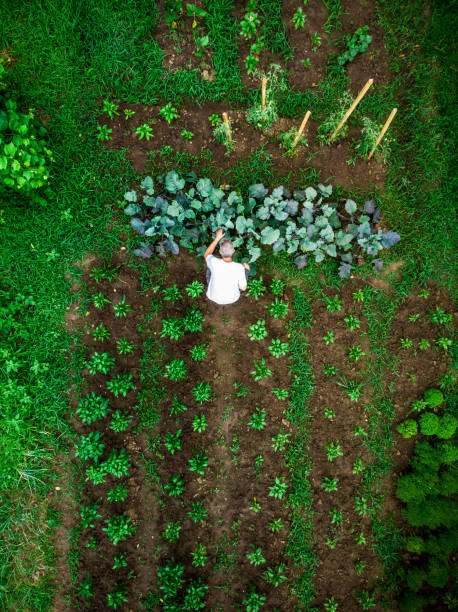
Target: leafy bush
x=24 y=156
x=358 y=43
x=447 y=426
x=429 y=423
x=408 y=428
x=188 y=211
x=433 y=397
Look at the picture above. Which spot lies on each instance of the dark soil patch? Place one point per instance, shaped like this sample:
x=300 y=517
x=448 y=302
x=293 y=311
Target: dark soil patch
x=229 y=482
x=330 y=161
x=336 y=575
x=98 y=561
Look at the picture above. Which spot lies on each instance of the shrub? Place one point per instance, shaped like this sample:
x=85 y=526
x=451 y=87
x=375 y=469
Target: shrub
x=431 y=513
x=447 y=426
x=429 y=423
x=407 y=428
x=24 y=156
x=412 y=602
x=415 y=577
x=437 y=572
x=433 y=397
x=415 y=544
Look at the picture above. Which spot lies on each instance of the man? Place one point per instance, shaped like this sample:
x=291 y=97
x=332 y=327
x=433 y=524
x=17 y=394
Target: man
x=225 y=277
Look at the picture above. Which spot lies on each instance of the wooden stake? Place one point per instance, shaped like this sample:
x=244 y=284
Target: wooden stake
x=264 y=85
x=301 y=129
x=382 y=133
x=357 y=100
x=228 y=129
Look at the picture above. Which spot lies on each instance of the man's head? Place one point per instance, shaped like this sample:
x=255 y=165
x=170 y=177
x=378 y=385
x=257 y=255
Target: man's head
x=226 y=248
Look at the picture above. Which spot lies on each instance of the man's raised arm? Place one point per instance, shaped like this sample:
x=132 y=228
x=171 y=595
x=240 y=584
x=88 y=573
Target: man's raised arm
x=219 y=234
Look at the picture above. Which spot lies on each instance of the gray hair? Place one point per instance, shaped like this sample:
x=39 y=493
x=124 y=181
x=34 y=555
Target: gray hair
x=226 y=248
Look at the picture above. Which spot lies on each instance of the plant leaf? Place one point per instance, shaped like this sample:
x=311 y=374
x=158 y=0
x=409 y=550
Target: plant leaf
x=350 y=207
x=390 y=238
x=132 y=209
x=269 y=235
x=257 y=191
x=148 y=185
x=130 y=196
x=173 y=183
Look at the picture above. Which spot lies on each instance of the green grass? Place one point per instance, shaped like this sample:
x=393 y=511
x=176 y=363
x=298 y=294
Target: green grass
x=419 y=196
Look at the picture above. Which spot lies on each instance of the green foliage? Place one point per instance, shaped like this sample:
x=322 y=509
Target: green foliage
x=188 y=135
x=88 y=515
x=255 y=287
x=199 y=555
x=280 y=441
x=122 y=308
x=117 y=494
x=256 y=557
x=172 y=531
x=194 y=289
x=197 y=512
x=333 y=450
x=117 y=596
x=92 y=407
x=198 y=352
x=104 y=132
x=325 y=130
x=119 y=560
x=408 y=428
x=125 y=347
x=332 y=304
x=278 y=309
x=253 y=601
x=121 y=384
x=172 y=441
x=263 y=118
x=175 y=370
x=144 y=131
x=358 y=43
x=330 y=484
x=24 y=155
x=174 y=486
x=100 y=332
x=202 y=392
x=100 y=362
x=281 y=394
x=117 y=463
x=277 y=286
x=85 y=588
x=279 y=488
x=169 y=113
x=118 y=528
x=276 y=525
x=433 y=397
x=177 y=406
x=171 y=294
x=120 y=421
x=198 y=463
x=429 y=423
x=258 y=419
x=257 y=331
x=299 y=18
x=90 y=446
x=261 y=370
x=199 y=423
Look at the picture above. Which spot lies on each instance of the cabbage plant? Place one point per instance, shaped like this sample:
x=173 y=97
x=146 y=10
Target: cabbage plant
x=176 y=211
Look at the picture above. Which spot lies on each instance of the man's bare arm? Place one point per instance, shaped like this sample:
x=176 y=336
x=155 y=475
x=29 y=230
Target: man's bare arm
x=219 y=234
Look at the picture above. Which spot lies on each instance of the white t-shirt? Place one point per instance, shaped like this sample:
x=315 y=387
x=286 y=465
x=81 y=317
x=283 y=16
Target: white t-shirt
x=227 y=278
